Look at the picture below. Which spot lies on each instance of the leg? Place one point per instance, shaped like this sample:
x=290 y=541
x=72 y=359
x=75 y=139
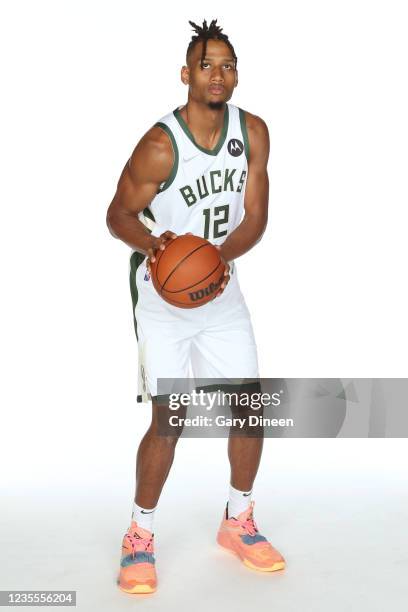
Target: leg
x=238 y=531
x=244 y=456
x=244 y=450
x=154 y=460
x=163 y=345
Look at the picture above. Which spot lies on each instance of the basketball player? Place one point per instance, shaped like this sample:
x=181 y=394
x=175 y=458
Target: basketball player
x=201 y=169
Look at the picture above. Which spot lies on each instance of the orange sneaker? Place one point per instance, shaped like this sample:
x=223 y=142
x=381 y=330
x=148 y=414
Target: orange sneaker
x=241 y=536
x=137 y=565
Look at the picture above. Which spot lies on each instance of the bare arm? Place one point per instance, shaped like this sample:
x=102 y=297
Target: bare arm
x=255 y=219
x=149 y=165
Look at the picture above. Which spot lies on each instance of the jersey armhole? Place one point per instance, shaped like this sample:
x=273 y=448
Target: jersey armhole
x=173 y=172
x=244 y=131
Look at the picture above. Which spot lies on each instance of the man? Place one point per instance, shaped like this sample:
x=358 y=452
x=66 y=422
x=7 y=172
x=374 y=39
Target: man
x=202 y=169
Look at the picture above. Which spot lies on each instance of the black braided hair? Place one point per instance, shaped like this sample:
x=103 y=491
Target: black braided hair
x=206 y=33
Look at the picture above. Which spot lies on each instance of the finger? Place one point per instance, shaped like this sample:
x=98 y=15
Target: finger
x=165 y=238
x=169 y=235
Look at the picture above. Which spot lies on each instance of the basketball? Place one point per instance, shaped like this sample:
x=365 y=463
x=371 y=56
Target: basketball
x=188 y=272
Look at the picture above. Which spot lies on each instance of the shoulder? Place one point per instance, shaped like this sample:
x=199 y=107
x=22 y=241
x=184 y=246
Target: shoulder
x=155 y=141
x=153 y=149
x=258 y=135
x=152 y=159
x=255 y=125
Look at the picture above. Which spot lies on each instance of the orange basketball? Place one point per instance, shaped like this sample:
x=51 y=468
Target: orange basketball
x=189 y=272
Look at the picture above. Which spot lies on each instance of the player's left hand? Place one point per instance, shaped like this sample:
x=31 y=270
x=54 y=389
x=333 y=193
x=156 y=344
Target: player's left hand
x=226 y=273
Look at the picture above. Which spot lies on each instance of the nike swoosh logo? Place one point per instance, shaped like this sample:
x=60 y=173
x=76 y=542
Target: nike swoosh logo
x=143 y=512
x=247 y=494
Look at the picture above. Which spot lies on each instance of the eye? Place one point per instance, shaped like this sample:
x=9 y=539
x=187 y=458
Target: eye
x=229 y=66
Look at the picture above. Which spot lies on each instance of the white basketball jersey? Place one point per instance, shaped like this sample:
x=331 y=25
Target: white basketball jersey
x=204 y=193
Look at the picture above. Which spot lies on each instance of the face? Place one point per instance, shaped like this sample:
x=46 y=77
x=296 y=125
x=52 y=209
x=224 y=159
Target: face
x=214 y=83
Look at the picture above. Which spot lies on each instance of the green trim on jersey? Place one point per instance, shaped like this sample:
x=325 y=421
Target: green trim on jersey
x=221 y=139
x=173 y=172
x=244 y=131
x=148 y=213
x=135 y=260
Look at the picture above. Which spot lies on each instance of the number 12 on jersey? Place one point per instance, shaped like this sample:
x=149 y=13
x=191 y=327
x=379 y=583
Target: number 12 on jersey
x=220 y=216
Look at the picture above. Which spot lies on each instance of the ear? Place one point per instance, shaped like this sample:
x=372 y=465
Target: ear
x=185 y=75
x=236 y=78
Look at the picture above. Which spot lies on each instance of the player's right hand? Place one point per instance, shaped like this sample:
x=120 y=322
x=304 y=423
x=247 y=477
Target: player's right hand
x=159 y=243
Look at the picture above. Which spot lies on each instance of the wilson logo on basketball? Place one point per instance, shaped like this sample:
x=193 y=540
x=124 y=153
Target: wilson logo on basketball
x=198 y=295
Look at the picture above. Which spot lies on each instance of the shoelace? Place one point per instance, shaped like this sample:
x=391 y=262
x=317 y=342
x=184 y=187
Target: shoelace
x=138 y=543
x=249 y=524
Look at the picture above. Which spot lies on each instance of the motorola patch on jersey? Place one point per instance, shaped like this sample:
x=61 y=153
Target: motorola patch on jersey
x=235 y=147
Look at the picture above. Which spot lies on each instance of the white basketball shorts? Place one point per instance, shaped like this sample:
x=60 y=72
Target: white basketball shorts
x=213 y=341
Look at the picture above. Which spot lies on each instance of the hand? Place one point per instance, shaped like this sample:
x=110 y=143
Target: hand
x=226 y=273
x=158 y=244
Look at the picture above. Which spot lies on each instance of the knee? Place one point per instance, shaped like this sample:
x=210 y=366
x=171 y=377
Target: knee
x=163 y=437
x=169 y=441
x=164 y=427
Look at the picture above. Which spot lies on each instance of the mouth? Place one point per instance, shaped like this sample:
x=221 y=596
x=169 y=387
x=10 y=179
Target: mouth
x=216 y=90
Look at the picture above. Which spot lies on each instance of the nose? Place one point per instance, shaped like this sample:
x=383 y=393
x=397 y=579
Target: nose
x=216 y=74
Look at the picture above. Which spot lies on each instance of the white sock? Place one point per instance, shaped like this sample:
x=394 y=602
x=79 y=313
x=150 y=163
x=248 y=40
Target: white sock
x=143 y=516
x=238 y=501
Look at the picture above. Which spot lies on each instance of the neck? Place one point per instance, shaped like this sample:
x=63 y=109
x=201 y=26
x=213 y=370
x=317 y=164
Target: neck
x=204 y=122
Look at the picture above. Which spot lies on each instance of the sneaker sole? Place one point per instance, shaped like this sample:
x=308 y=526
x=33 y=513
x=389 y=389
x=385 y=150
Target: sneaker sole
x=138 y=589
x=279 y=565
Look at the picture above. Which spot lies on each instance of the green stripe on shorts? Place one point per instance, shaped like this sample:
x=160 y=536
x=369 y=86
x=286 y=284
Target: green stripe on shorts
x=135 y=260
